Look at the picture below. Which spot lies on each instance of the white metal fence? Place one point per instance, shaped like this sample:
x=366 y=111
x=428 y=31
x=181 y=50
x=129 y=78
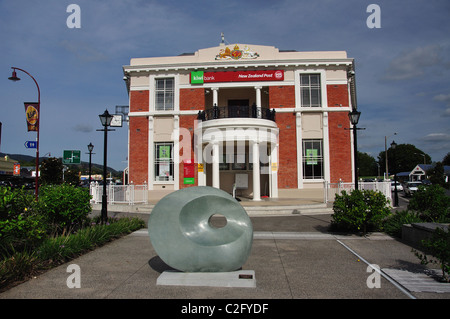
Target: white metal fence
x=331 y=189
x=123 y=194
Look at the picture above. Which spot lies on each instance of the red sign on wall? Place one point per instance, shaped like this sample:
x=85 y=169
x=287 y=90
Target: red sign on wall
x=237 y=76
x=189 y=172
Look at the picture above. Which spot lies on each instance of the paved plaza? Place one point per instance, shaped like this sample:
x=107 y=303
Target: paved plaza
x=293 y=257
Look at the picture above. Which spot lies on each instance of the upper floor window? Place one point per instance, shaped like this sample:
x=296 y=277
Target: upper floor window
x=164 y=94
x=310 y=90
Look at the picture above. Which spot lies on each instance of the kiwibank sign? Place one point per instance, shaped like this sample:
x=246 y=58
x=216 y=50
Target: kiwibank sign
x=200 y=77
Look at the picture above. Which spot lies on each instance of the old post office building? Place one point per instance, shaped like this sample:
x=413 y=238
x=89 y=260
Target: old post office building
x=254 y=121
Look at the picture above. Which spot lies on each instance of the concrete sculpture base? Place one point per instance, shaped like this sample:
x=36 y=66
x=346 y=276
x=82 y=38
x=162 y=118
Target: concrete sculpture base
x=233 y=279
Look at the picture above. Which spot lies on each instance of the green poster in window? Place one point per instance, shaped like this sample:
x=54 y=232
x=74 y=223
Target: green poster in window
x=164 y=152
x=311 y=157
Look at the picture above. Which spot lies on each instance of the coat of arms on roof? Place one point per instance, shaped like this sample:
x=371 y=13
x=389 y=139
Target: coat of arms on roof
x=237 y=54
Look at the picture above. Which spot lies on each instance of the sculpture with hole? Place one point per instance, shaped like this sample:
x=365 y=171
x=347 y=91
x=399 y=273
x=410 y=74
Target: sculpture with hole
x=183 y=236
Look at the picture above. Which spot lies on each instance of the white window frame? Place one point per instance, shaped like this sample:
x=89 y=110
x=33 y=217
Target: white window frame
x=152 y=96
x=157 y=162
x=323 y=90
x=320 y=158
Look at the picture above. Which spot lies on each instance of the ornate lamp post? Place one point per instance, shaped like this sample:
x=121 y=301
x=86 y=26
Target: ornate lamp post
x=354 y=119
x=105 y=119
x=15 y=78
x=393 y=146
x=90 y=149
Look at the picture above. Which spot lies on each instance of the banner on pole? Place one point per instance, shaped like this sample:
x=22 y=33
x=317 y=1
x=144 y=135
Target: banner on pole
x=32 y=115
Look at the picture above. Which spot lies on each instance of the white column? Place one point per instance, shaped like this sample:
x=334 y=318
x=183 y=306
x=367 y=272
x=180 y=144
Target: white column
x=256 y=172
x=299 y=150
x=274 y=170
x=215 y=166
x=151 y=154
x=258 y=101
x=326 y=148
x=176 y=152
x=215 y=96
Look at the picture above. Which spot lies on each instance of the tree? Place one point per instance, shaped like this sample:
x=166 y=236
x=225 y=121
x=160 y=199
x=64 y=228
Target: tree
x=367 y=165
x=406 y=156
x=51 y=171
x=72 y=177
x=446 y=160
x=436 y=174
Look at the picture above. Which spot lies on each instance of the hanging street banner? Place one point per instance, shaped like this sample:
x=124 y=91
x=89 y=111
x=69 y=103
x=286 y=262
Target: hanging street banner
x=32 y=115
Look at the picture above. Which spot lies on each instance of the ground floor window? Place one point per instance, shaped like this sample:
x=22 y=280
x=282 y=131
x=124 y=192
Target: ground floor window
x=163 y=162
x=312 y=159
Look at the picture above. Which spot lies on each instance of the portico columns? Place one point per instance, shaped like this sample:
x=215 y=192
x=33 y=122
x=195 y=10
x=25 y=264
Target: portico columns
x=215 y=96
x=215 y=165
x=258 y=101
x=256 y=172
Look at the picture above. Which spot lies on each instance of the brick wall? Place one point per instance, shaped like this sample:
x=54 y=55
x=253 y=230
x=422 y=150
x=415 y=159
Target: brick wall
x=337 y=95
x=190 y=99
x=281 y=96
x=138 y=157
x=339 y=136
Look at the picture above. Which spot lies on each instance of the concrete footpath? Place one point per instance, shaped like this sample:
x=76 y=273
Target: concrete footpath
x=293 y=257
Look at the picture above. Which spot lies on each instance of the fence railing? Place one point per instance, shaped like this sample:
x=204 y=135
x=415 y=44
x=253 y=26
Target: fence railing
x=121 y=194
x=331 y=189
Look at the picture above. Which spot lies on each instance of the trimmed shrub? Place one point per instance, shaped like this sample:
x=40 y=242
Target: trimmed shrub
x=64 y=206
x=20 y=224
x=359 y=211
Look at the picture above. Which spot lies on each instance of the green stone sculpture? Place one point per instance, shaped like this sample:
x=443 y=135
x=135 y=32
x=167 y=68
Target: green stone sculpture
x=182 y=235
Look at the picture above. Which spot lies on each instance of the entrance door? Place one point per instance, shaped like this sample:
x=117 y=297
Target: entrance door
x=238 y=108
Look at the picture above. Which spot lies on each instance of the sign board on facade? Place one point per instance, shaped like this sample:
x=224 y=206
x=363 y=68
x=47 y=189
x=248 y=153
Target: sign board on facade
x=16 y=171
x=200 y=77
x=117 y=120
x=71 y=157
x=189 y=172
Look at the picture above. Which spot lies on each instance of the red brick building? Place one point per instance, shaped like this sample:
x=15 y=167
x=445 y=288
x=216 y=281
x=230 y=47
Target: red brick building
x=248 y=119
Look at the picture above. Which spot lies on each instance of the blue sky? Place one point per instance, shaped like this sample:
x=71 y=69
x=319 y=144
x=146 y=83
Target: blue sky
x=402 y=68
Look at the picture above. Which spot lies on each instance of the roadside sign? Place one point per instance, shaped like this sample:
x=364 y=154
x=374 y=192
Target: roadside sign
x=30 y=144
x=71 y=157
x=117 y=120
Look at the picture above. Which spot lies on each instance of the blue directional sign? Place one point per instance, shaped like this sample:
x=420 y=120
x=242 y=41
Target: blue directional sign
x=31 y=144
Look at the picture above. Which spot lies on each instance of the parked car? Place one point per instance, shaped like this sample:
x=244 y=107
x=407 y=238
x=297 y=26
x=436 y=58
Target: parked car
x=399 y=186
x=411 y=187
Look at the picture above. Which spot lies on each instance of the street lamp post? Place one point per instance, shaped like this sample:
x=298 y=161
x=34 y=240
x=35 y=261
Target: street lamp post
x=393 y=146
x=354 y=119
x=105 y=119
x=15 y=78
x=90 y=149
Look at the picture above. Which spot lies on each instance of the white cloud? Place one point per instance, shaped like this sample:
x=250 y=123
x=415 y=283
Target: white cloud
x=411 y=64
x=437 y=137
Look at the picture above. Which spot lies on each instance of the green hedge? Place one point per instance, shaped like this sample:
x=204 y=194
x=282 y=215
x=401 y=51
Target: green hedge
x=361 y=210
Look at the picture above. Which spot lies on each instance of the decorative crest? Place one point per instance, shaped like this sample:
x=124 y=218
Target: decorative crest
x=237 y=54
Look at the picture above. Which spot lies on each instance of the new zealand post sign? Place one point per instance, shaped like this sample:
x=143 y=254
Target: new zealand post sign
x=32 y=115
x=200 y=77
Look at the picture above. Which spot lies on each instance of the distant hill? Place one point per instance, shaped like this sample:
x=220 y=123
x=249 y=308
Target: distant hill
x=31 y=159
